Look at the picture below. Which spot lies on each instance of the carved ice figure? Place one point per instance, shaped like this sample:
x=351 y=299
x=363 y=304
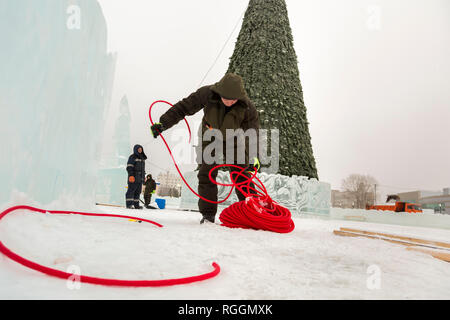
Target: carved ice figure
x=223 y=191
x=297 y=193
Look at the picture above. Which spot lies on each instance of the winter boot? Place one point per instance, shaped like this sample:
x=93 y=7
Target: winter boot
x=207 y=219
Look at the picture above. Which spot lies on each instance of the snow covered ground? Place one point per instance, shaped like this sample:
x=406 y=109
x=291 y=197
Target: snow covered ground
x=309 y=263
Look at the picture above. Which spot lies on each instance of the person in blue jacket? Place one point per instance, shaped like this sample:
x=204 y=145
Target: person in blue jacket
x=136 y=177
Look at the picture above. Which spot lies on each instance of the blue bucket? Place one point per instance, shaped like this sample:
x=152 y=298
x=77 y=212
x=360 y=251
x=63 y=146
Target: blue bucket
x=161 y=203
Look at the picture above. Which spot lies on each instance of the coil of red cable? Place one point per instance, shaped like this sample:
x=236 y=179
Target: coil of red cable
x=249 y=214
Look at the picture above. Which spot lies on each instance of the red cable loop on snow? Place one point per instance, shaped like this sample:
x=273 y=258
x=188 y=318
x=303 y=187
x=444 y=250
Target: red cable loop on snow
x=94 y=280
x=257 y=211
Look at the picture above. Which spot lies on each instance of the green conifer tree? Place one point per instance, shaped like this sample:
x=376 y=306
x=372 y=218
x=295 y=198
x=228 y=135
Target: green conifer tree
x=265 y=58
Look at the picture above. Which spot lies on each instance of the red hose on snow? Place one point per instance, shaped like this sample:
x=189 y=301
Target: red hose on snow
x=257 y=211
x=94 y=280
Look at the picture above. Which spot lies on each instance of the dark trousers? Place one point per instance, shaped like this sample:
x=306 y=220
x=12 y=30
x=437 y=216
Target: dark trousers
x=133 y=194
x=208 y=190
x=147 y=198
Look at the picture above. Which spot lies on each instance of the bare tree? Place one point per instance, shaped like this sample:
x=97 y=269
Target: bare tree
x=361 y=187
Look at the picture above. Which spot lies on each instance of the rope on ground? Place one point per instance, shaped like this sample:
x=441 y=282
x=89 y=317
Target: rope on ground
x=94 y=280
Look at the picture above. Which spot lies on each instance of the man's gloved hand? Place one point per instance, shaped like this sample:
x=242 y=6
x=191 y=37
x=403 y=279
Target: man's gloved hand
x=157 y=128
x=131 y=179
x=255 y=166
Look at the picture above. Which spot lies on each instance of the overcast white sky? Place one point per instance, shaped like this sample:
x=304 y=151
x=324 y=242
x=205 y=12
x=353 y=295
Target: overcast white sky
x=375 y=77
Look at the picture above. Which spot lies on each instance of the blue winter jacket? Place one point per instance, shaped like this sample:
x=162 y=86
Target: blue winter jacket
x=136 y=164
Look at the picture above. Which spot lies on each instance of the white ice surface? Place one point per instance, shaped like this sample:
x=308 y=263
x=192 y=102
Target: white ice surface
x=309 y=263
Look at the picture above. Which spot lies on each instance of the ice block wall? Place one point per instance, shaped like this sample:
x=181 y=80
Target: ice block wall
x=422 y=219
x=113 y=176
x=56 y=79
x=297 y=193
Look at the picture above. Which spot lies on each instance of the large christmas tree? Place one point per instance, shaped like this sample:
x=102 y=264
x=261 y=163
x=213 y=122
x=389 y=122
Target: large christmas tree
x=265 y=58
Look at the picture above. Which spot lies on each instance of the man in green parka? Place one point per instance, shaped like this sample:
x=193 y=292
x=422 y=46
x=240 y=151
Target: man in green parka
x=225 y=106
x=150 y=187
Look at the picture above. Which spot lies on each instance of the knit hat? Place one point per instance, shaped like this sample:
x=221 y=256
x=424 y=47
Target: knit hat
x=230 y=87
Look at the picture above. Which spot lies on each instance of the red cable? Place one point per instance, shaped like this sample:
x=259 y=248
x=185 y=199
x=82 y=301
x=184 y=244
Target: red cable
x=94 y=280
x=258 y=211
x=173 y=159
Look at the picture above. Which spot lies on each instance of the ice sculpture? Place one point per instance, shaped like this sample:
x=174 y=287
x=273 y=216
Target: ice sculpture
x=55 y=87
x=121 y=135
x=297 y=193
x=112 y=178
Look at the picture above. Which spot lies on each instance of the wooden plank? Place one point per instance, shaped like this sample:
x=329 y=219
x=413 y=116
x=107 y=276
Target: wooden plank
x=410 y=246
x=109 y=205
x=343 y=233
x=351 y=234
x=436 y=254
x=355 y=218
x=409 y=239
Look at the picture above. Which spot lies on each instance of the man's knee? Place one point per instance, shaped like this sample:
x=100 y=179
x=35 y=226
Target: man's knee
x=203 y=174
x=131 y=188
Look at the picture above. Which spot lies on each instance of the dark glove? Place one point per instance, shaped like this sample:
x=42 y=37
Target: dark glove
x=253 y=167
x=157 y=128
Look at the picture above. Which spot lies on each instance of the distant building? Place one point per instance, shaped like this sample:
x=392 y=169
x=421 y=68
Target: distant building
x=438 y=201
x=169 y=179
x=412 y=196
x=169 y=184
